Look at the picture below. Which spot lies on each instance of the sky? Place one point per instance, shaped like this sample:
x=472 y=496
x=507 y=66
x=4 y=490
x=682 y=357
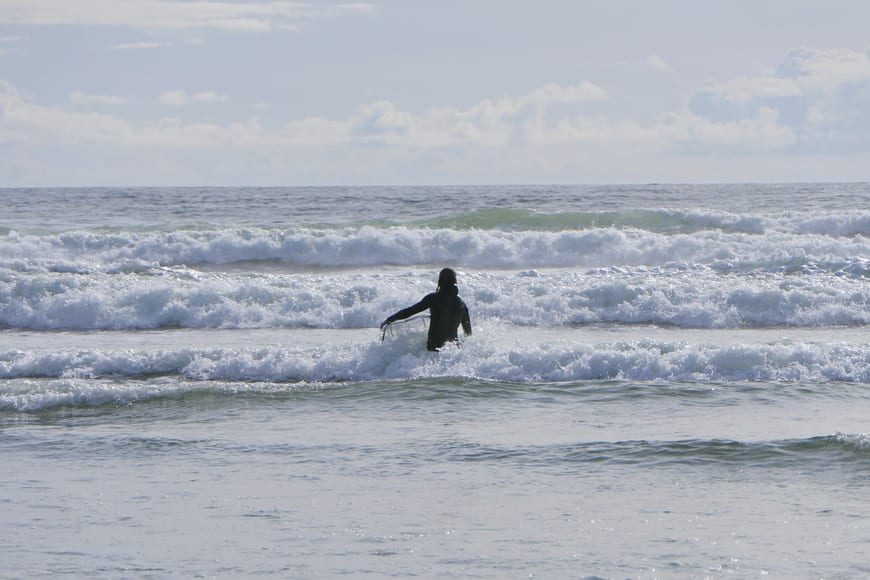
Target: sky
x=401 y=92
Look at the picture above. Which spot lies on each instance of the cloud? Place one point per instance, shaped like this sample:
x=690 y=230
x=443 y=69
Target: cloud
x=585 y=92
x=183 y=98
x=147 y=45
x=746 y=89
x=762 y=133
x=817 y=102
x=140 y=45
x=489 y=123
x=23 y=121
x=503 y=123
x=822 y=97
x=825 y=70
x=254 y=16
x=83 y=99
x=656 y=62
x=7 y=40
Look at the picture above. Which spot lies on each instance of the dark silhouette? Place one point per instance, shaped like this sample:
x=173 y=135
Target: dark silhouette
x=446 y=309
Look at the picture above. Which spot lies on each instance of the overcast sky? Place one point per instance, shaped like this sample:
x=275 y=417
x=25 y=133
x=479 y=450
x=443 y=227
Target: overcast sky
x=261 y=92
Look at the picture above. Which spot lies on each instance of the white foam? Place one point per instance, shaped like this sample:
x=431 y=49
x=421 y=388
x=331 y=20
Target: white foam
x=696 y=297
x=86 y=252
x=268 y=368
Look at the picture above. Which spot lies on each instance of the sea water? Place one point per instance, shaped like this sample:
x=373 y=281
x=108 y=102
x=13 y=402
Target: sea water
x=663 y=381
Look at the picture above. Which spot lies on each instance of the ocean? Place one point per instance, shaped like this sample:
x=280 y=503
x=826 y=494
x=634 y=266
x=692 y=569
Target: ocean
x=663 y=381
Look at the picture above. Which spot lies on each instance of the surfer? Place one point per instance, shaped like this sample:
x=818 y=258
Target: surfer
x=446 y=309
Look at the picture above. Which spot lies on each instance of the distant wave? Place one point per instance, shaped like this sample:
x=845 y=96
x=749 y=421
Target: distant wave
x=851 y=448
x=670 y=221
x=120 y=252
x=655 y=220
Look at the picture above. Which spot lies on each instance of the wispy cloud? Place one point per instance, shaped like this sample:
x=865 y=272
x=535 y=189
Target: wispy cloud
x=657 y=63
x=254 y=16
x=84 y=99
x=183 y=98
x=6 y=41
x=818 y=100
x=147 y=45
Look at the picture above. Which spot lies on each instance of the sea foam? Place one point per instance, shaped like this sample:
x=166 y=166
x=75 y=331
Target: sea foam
x=697 y=297
x=557 y=362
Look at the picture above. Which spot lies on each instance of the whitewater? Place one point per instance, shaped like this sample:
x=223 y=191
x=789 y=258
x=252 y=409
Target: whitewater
x=663 y=381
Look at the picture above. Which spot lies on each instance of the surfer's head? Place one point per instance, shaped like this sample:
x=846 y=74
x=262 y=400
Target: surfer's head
x=446 y=278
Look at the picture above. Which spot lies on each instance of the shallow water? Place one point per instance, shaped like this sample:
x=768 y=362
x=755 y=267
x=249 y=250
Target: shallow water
x=446 y=477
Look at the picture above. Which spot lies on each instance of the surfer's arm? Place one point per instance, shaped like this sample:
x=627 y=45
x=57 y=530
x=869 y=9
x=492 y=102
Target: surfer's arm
x=406 y=312
x=466 y=322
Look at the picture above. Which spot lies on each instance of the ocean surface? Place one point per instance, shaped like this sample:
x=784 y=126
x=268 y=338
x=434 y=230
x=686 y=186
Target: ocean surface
x=664 y=381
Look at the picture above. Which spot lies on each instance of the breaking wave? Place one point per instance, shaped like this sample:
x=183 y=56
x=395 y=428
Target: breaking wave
x=555 y=363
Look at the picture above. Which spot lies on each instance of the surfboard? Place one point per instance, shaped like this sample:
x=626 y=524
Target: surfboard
x=407 y=328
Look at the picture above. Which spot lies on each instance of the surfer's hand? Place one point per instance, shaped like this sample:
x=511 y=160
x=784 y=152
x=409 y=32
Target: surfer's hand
x=386 y=323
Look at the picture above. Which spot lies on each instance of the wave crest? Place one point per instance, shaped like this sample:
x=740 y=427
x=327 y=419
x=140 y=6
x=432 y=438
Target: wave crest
x=737 y=247
x=481 y=360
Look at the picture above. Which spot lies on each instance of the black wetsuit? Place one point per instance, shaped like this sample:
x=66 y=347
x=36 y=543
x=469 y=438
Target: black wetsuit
x=447 y=312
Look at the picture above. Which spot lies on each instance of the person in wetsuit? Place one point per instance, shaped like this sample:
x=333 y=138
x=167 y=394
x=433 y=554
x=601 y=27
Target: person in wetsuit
x=447 y=311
